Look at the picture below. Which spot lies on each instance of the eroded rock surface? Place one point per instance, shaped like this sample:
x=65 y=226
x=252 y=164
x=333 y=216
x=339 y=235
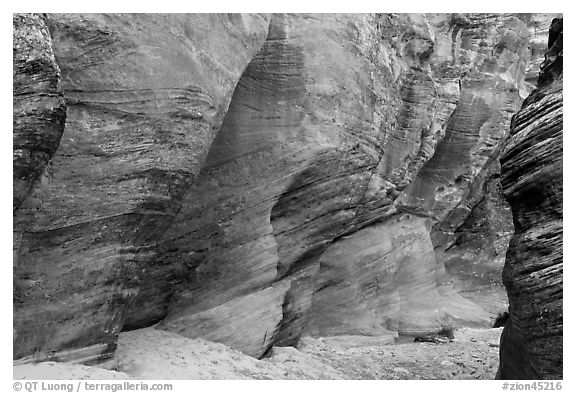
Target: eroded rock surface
x=538 y=25
x=38 y=103
x=249 y=179
x=146 y=95
x=354 y=147
x=532 y=180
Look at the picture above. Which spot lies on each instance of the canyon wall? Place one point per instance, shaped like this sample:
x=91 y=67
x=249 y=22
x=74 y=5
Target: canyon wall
x=250 y=179
x=145 y=96
x=531 y=344
x=39 y=109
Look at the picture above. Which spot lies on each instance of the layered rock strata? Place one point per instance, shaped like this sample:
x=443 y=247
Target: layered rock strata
x=39 y=109
x=349 y=140
x=531 y=345
x=538 y=26
x=251 y=179
x=145 y=95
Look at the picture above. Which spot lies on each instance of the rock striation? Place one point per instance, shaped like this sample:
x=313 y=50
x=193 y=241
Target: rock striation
x=39 y=109
x=538 y=25
x=531 y=345
x=353 y=148
x=145 y=96
x=251 y=179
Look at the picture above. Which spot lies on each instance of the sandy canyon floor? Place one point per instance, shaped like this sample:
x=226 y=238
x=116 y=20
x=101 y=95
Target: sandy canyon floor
x=155 y=354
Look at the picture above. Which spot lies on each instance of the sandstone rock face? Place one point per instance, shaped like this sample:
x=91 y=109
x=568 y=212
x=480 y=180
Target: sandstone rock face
x=353 y=149
x=252 y=179
x=531 y=346
x=39 y=107
x=146 y=95
x=538 y=25
x=476 y=255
